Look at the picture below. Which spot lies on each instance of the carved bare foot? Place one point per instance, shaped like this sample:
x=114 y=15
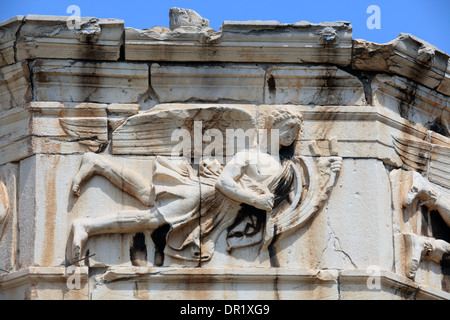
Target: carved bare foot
x=80 y=237
x=415 y=246
x=89 y=166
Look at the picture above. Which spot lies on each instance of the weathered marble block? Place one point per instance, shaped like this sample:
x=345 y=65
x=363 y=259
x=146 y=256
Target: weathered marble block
x=312 y=85
x=50 y=37
x=15 y=85
x=444 y=87
x=406 y=56
x=249 y=41
x=208 y=83
x=287 y=84
x=38 y=283
x=411 y=100
x=58 y=128
x=79 y=81
x=8 y=32
x=212 y=284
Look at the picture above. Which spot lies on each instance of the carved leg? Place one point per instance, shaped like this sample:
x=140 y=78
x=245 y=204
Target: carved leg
x=123 y=222
x=122 y=177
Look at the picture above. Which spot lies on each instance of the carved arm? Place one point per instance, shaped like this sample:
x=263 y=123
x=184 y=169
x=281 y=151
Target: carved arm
x=228 y=184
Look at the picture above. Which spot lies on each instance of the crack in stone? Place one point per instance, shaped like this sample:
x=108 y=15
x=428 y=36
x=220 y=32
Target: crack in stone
x=17 y=38
x=336 y=245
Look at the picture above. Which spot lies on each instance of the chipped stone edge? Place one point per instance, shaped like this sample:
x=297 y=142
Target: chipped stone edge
x=216 y=275
x=394 y=48
x=72 y=38
x=31 y=274
x=395 y=281
x=397 y=50
x=167 y=274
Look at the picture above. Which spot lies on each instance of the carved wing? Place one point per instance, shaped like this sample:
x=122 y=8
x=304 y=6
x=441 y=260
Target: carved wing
x=158 y=132
x=89 y=132
x=314 y=182
x=427 y=158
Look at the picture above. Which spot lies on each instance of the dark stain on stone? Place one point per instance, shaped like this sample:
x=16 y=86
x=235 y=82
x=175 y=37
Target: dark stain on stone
x=407 y=100
x=327 y=93
x=425 y=223
x=274 y=263
x=159 y=239
x=138 y=252
x=438 y=127
x=272 y=87
x=442 y=231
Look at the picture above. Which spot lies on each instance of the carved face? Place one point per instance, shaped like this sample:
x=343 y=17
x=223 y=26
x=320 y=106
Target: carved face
x=288 y=131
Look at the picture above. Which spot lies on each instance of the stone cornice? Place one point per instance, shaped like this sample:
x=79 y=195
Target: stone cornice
x=251 y=41
x=37 y=36
x=253 y=62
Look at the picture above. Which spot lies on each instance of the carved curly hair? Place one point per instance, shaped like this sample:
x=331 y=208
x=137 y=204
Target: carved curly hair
x=284 y=113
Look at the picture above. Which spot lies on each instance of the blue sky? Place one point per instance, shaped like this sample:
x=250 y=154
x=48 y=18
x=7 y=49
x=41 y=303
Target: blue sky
x=426 y=19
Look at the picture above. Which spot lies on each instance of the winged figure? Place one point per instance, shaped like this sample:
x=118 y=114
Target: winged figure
x=430 y=186
x=254 y=196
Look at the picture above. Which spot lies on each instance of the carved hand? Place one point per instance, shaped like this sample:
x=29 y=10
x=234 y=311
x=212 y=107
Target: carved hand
x=335 y=164
x=264 y=202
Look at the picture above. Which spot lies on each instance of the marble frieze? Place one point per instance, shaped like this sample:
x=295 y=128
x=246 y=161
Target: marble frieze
x=265 y=160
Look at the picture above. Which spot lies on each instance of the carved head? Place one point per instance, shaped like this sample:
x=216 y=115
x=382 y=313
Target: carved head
x=425 y=56
x=186 y=18
x=288 y=121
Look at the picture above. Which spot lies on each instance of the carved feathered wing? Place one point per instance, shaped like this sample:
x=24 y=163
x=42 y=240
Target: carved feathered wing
x=89 y=132
x=430 y=159
x=159 y=132
x=313 y=182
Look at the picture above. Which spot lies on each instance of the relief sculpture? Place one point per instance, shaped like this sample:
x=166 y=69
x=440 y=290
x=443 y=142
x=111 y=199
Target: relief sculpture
x=4 y=207
x=257 y=194
x=428 y=194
